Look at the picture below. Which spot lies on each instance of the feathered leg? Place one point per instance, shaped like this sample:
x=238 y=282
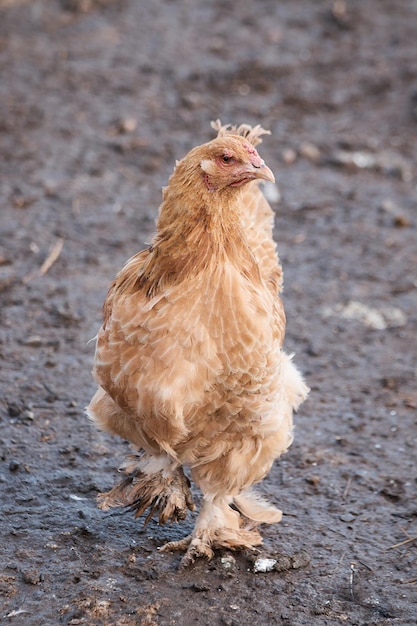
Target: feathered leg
x=151 y=482
x=217 y=526
x=152 y=479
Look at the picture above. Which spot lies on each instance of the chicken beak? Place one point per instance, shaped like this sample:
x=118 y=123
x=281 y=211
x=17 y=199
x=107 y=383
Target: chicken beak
x=252 y=171
x=263 y=172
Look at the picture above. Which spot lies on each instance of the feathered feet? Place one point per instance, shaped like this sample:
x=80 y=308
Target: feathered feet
x=203 y=543
x=217 y=526
x=152 y=483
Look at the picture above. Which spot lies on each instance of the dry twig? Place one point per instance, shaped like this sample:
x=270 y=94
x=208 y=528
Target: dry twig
x=352 y=578
x=409 y=581
x=52 y=256
x=347 y=488
x=48 y=263
x=402 y=543
x=405 y=542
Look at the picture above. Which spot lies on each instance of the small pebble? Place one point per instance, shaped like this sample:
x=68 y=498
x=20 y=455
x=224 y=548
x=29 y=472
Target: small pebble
x=31 y=576
x=34 y=341
x=14 y=409
x=127 y=125
x=264 y=565
x=401 y=221
x=313 y=480
x=228 y=562
x=27 y=415
x=14 y=465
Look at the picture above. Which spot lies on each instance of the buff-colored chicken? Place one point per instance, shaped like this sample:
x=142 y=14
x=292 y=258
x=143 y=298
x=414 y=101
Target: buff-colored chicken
x=189 y=358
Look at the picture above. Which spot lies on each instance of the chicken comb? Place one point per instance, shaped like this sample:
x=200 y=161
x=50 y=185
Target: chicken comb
x=251 y=133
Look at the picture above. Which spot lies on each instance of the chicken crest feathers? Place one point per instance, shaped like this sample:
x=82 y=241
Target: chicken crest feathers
x=251 y=133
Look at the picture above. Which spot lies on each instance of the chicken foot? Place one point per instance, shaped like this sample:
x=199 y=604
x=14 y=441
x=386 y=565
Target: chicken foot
x=166 y=492
x=217 y=526
x=194 y=548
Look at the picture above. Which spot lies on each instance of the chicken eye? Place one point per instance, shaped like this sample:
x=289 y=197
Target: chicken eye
x=227 y=158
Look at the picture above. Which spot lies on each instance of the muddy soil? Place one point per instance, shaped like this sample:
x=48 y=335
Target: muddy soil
x=98 y=99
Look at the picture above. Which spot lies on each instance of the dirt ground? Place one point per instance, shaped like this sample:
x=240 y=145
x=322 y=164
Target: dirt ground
x=98 y=99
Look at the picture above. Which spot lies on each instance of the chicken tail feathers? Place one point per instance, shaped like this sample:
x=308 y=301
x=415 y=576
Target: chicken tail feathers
x=255 y=508
x=251 y=133
x=295 y=387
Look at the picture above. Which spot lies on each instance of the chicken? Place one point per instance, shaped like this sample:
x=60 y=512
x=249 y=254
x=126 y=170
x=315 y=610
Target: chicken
x=189 y=358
